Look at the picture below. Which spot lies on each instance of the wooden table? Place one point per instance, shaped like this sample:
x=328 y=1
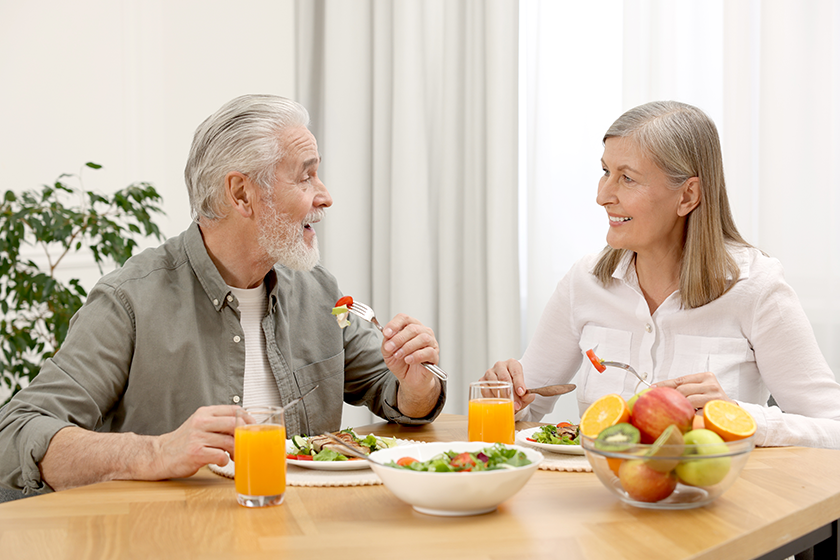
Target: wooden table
x=782 y=496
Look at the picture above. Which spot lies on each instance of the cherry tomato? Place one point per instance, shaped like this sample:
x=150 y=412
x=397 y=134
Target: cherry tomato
x=596 y=361
x=346 y=300
x=406 y=461
x=463 y=462
x=299 y=457
x=565 y=425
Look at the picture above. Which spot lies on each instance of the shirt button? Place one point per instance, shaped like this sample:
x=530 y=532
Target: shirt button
x=236 y=399
x=215 y=302
x=230 y=298
x=648 y=328
x=236 y=338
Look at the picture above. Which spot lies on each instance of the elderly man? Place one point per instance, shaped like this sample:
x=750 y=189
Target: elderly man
x=234 y=311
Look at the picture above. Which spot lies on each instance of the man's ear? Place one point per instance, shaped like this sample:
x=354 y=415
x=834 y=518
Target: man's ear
x=690 y=198
x=239 y=192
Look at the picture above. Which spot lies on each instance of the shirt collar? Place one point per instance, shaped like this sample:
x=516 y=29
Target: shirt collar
x=626 y=271
x=208 y=275
x=204 y=268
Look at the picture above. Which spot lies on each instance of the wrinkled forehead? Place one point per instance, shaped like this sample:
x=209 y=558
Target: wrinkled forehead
x=300 y=147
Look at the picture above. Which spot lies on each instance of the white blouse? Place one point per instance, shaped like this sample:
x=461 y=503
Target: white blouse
x=755 y=338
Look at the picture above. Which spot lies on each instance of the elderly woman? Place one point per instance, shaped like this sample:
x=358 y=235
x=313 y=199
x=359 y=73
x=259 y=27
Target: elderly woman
x=679 y=295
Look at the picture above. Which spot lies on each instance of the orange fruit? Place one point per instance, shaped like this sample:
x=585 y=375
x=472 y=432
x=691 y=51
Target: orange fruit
x=728 y=420
x=614 y=464
x=607 y=411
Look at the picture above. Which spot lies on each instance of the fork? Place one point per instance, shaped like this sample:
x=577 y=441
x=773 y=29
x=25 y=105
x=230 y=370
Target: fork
x=629 y=368
x=366 y=313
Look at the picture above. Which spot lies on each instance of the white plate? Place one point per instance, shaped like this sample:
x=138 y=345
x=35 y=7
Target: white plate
x=349 y=465
x=553 y=447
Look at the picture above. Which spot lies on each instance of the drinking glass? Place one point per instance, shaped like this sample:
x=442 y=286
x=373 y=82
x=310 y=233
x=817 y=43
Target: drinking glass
x=260 y=456
x=491 y=412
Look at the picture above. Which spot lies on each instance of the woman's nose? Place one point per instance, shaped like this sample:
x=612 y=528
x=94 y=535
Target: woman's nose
x=606 y=191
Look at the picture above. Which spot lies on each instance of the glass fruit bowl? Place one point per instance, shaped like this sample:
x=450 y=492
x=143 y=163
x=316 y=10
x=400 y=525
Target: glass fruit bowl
x=684 y=476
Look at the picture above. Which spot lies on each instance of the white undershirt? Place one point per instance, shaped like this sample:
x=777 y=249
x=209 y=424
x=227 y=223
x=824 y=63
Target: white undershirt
x=260 y=385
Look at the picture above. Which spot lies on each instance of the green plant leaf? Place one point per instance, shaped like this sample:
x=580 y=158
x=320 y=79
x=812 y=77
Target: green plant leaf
x=35 y=305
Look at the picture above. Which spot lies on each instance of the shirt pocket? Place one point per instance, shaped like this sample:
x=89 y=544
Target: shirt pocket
x=722 y=356
x=612 y=345
x=322 y=407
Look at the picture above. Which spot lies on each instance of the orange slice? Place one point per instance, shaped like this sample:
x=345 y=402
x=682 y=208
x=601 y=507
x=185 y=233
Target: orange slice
x=728 y=420
x=607 y=411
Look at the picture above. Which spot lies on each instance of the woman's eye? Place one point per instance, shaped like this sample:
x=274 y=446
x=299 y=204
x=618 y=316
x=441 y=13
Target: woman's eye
x=606 y=173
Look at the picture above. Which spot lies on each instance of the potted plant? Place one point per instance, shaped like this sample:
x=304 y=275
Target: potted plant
x=59 y=219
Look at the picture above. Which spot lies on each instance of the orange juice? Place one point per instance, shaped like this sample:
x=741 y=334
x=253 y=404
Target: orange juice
x=260 y=459
x=491 y=420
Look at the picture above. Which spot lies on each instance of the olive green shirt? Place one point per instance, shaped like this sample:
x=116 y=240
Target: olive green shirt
x=160 y=337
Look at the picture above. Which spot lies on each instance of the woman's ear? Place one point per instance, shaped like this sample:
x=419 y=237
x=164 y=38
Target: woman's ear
x=239 y=193
x=690 y=198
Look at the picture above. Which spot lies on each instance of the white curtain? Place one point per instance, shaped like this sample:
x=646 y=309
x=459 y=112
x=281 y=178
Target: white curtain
x=767 y=72
x=414 y=105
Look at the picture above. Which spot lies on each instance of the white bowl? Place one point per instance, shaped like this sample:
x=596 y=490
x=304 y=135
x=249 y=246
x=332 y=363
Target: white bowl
x=459 y=493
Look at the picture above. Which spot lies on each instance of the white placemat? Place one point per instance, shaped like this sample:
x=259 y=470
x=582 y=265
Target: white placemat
x=297 y=476
x=562 y=462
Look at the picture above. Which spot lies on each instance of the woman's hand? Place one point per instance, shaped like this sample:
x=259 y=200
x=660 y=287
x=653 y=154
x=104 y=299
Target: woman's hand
x=699 y=388
x=511 y=370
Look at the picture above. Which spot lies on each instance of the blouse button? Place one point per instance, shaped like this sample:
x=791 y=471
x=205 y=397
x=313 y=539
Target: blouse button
x=236 y=398
x=236 y=338
x=230 y=298
x=648 y=328
x=215 y=302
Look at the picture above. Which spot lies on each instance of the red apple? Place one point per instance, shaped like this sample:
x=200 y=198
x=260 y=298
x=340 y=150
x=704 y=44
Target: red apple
x=657 y=409
x=645 y=484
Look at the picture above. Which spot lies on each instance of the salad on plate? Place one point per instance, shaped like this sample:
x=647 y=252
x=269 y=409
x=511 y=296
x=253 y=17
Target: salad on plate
x=557 y=438
x=321 y=452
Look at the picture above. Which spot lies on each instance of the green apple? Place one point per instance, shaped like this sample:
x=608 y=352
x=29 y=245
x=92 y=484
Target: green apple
x=632 y=400
x=703 y=472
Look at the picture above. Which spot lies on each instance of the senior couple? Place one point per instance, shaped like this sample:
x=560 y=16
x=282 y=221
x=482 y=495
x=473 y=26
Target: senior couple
x=236 y=311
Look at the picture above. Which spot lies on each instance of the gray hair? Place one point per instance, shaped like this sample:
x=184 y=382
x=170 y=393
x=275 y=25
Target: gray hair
x=244 y=136
x=683 y=142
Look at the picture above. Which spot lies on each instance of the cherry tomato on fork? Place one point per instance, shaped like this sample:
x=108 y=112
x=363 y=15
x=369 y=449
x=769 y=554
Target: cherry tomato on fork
x=346 y=300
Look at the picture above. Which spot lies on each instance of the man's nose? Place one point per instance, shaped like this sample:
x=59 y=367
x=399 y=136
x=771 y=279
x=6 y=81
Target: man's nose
x=323 y=198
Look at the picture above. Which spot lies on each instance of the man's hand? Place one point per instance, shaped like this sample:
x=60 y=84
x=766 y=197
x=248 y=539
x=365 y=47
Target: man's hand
x=406 y=346
x=699 y=388
x=76 y=457
x=202 y=439
x=511 y=371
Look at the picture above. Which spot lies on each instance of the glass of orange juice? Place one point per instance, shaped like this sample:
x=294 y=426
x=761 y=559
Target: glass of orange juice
x=260 y=456
x=491 y=412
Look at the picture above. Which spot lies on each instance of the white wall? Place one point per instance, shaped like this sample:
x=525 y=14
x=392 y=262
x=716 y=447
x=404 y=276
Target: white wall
x=125 y=83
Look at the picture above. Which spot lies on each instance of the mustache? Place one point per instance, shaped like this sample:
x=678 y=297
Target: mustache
x=315 y=216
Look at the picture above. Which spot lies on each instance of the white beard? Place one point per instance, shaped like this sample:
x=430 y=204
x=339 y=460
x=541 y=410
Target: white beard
x=283 y=239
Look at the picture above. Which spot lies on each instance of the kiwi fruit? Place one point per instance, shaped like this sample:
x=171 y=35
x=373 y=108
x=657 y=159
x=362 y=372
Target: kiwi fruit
x=619 y=437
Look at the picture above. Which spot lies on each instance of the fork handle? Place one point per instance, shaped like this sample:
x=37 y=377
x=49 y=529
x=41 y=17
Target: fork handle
x=439 y=373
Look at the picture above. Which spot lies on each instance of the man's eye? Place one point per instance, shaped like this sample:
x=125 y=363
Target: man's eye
x=627 y=179
x=606 y=173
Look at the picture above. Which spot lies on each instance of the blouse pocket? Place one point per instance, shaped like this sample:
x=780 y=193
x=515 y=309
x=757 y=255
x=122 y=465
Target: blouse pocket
x=608 y=344
x=720 y=355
